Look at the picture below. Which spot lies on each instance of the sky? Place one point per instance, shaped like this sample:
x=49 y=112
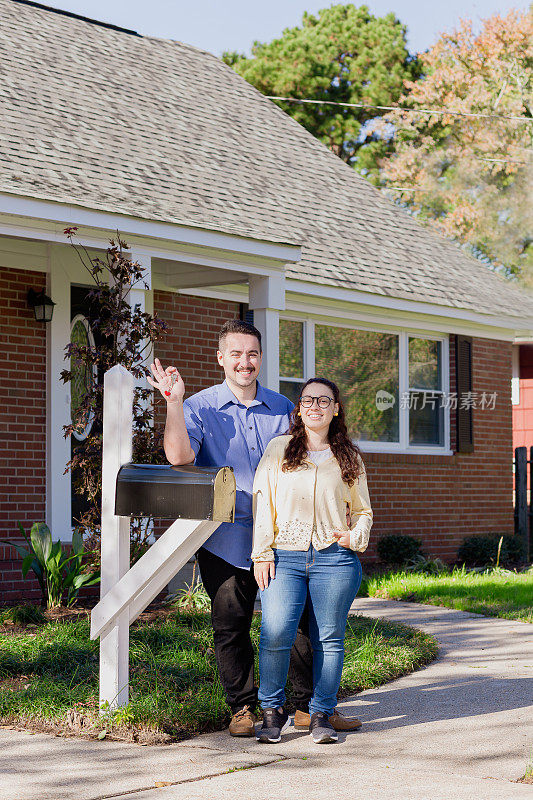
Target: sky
x=218 y=25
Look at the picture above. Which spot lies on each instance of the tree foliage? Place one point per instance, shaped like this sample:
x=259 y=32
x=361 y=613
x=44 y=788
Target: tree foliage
x=471 y=177
x=342 y=54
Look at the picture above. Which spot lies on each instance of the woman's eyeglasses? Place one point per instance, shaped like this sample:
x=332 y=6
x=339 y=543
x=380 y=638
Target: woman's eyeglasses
x=323 y=402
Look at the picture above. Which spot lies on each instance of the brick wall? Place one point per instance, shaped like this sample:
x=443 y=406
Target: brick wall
x=442 y=499
x=192 y=338
x=22 y=427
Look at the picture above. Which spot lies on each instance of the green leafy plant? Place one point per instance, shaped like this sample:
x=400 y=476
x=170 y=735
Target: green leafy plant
x=193 y=598
x=33 y=562
x=110 y=718
x=123 y=717
x=57 y=572
x=398 y=549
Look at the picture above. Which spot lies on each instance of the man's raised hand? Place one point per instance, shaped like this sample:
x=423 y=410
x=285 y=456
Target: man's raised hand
x=168 y=381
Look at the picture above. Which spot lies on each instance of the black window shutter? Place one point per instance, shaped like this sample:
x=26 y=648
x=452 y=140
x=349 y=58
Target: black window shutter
x=463 y=375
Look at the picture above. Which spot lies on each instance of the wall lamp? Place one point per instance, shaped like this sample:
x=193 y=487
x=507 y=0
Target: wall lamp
x=43 y=307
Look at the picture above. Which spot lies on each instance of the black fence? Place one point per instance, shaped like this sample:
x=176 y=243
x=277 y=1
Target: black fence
x=523 y=506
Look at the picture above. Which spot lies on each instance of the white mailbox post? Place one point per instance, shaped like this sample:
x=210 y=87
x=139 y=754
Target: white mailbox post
x=125 y=592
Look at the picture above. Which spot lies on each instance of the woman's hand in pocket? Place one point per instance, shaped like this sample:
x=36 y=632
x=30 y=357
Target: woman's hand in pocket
x=343 y=538
x=263 y=570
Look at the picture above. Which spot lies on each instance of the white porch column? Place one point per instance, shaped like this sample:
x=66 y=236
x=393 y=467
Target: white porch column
x=141 y=296
x=267 y=299
x=144 y=298
x=138 y=293
x=58 y=499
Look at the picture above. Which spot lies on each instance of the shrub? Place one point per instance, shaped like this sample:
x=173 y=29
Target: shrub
x=426 y=565
x=398 y=549
x=481 y=551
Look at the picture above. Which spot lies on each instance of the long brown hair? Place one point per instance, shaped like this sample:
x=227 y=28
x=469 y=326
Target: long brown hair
x=342 y=447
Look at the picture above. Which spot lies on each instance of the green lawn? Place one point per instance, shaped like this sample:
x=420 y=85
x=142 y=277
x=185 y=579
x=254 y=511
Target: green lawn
x=49 y=674
x=496 y=593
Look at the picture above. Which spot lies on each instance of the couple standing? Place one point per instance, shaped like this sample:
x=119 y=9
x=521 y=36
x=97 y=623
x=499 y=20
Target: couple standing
x=312 y=513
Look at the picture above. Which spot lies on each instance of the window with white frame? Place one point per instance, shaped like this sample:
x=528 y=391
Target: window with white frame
x=291 y=358
x=392 y=384
x=365 y=367
x=426 y=406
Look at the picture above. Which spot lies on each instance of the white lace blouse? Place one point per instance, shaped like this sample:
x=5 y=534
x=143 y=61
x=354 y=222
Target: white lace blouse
x=306 y=506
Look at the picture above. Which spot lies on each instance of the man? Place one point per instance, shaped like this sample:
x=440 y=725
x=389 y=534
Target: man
x=231 y=424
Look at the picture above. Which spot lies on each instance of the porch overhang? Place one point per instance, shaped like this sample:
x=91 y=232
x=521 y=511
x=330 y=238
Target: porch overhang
x=176 y=257
x=352 y=307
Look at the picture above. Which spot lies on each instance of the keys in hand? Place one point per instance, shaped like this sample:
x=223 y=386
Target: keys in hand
x=172 y=382
x=168 y=381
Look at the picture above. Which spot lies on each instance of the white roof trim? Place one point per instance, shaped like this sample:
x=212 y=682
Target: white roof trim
x=66 y=215
x=355 y=314
x=313 y=294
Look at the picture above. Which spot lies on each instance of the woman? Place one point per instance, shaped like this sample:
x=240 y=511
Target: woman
x=311 y=515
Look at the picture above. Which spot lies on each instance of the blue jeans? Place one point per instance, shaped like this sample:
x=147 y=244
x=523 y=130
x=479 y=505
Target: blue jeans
x=331 y=577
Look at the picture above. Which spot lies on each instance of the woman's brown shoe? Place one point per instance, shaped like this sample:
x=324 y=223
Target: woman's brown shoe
x=242 y=723
x=337 y=719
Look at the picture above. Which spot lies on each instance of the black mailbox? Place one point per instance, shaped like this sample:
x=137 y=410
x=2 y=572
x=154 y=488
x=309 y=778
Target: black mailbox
x=167 y=492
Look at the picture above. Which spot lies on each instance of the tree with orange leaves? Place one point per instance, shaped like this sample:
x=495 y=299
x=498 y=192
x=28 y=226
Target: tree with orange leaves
x=471 y=176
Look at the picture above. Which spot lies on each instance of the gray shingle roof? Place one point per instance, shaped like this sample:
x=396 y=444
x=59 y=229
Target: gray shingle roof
x=161 y=130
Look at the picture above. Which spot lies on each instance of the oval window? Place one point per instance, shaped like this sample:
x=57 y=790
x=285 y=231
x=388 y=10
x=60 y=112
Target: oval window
x=83 y=377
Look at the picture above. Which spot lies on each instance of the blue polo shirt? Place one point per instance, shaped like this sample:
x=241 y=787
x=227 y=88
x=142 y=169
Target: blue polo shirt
x=224 y=432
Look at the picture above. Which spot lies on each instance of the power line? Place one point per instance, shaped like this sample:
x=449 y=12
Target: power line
x=400 y=108
x=500 y=161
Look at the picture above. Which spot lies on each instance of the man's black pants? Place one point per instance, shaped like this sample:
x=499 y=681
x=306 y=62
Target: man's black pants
x=232 y=592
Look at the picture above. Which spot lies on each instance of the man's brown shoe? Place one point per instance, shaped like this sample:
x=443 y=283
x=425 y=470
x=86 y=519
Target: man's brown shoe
x=337 y=719
x=242 y=723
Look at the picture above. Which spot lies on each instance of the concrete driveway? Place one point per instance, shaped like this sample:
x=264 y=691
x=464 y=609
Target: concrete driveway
x=459 y=729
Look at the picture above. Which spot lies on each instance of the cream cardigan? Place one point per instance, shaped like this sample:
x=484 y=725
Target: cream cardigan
x=306 y=506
